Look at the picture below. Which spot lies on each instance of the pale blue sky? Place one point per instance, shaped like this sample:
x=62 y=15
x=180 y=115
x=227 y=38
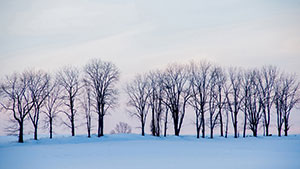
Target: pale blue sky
x=140 y=35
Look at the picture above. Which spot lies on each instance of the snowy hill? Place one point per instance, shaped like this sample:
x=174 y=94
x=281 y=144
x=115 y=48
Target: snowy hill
x=137 y=152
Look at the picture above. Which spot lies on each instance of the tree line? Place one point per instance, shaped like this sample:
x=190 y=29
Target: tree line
x=28 y=94
x=214 y=94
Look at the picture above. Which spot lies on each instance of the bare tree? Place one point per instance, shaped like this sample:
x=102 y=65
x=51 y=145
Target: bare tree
x=221 y=80
x=200 y=81
x=266 y=86
x=103 y=77
x=156 y=101
x=52 y=104
x=215 y=98
x=177 y=90
x=246 y=83
x=234 y=97
x=278 y=100
x=227 y=90
x=68 y=79
x=38 y=83
x=139 y=92
x=286 y=97
x=86 y=104
x=16 y=98
x=121 y=128
x=254 y=102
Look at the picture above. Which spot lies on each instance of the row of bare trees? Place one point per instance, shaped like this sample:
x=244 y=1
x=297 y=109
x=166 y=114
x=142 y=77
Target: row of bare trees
x=214 y=94
x=28 y=94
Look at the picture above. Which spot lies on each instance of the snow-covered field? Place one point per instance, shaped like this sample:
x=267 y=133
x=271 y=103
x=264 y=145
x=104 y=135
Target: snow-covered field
x=137 y=152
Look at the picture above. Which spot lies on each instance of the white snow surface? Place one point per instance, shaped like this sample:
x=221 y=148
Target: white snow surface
x=137 y=152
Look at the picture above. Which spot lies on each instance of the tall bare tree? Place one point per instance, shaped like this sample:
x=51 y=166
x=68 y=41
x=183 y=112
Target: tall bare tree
x=267 y=78
x=200 y=81
x=53 y=104
x=278 y=100
x=38 y=83
x=246 y=83
x=221 y=80
x=286 y=98
x=234 y=97
x=16 y=98
x=216 y=101
x=86 y=104
x=254 y=102
x=177 y=90
x=139 y=93
x=68 y=79
x=103 y=77
x=156 y=101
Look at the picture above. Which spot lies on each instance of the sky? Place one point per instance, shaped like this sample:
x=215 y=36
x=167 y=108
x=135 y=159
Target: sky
x=141 y=35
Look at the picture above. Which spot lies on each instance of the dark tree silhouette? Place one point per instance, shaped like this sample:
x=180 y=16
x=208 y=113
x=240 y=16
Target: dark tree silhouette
x=286 y=98
x=254 y=102
x=215 y=99
x=221 y=80
x=177 y=90
x=200 y=81
x=53 y=103
x=246 y=83
x=156 y=101
x=234 y=97
x=102 y=76
x=139 y=93
x=86 y=104
x=68 y=79
x=16 y=98
x=266 y=81
x=38 y=83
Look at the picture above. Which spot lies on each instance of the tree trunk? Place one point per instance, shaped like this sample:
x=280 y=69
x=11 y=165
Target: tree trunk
x=245 y=125
x=175 y=119
x=226 y=130
x=35 y=132
x=21 y=132
x=143 y=129
x=286 y=127
x=102 y=126
x=255 y=133
x=89 y=126
x=166 y=123
x=153 y=123
x=73 y=126
x=72 y=115
x=268 y=123
x=198 y=127
x=203 y=124
x=235 y=125
x=50 y=130
x=198 y=132
x=99 y=125
x=102 y=120
x=211 y=127
x=89 y=133
x=221 y=124
x=279 y=132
